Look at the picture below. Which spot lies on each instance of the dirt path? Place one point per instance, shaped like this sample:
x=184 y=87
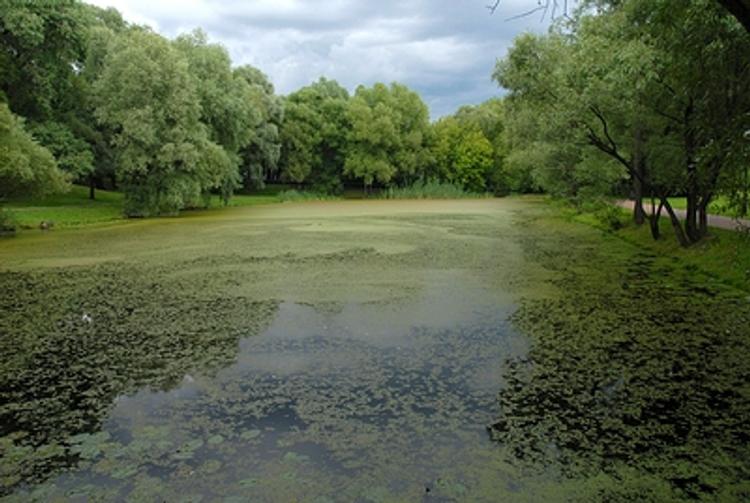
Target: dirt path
x=731 y=224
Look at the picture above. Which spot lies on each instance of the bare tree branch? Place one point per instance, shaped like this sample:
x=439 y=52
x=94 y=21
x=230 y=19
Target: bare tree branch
x=544 y=6
x=740 y=9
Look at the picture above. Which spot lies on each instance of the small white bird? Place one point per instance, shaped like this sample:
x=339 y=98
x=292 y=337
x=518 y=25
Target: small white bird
x=87 y=318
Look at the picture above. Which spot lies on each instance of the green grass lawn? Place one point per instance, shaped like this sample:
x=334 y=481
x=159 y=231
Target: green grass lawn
x=71 y=209
x=74 y=208
x=719 y=206
x=724 y=255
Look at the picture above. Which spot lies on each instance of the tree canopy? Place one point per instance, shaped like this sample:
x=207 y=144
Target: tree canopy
x=165 y=157
x=647 y=98
x=651 y=91
x=25 y=166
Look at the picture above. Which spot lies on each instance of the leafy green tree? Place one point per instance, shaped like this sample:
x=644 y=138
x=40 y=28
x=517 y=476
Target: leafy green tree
x=314 y=135
x=260 y=158
x=300 y=137
x=447 y=134
x=701 y=89
x=42 y=52
x=226 y=99
x=26 y=168
x=544 y=150
x=106 y=26
x=655 y=87
x=473 y=161
x=165 y=158
x=40 y=45
x=489 y=117
x=72 y=153
x=462 y=154
x=389 y=134
x=740 y=9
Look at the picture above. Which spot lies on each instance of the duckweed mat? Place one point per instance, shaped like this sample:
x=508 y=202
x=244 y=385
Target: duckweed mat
x=353 y=351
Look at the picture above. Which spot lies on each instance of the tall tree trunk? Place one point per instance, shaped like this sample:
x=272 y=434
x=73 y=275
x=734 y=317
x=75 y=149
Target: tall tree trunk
x=703 y=215
x=676 y=224
x=639 y=214
x=703 y=221
x=745 y=192
x=653 y=219
x=691 y=214
x=92 y=187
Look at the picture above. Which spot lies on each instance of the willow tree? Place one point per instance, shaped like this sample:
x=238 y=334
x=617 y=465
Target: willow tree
x=387 y=142
x=314 y=135
x=260 y=157
x=42 y=49
x=166 y=160
x=659 y=89
x=26 y=168
x=740 y=9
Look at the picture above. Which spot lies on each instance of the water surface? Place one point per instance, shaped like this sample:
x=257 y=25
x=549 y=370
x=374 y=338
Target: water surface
x=351 y=352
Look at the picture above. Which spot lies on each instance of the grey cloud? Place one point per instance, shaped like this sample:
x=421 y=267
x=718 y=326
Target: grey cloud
x=444 y=49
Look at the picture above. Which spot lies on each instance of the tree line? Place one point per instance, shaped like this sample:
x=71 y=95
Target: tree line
x=86 y=97
x=649 y=98
x=648 y=95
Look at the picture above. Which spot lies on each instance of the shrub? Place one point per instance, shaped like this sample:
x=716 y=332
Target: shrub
x=431 y=189
x=8 y=223
x=610 y=216
x=291 y=196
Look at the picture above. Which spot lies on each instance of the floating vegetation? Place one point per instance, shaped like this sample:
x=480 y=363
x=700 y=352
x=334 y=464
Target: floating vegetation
x=62 y=374
x=290 y=366
x=358 y=358
x=635 y=386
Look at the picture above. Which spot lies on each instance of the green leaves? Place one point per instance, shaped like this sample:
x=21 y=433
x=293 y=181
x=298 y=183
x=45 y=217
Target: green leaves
x=462 y=154
x=388 y=135
x=652 y=85
x=25 y=166
x=314 y=135
x=166 y=159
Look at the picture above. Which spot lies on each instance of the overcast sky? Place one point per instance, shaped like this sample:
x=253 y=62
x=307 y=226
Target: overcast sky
x=444 y=49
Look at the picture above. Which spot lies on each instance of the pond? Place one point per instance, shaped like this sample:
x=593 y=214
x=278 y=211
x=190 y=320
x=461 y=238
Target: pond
x=338 y=352
x=367 y=351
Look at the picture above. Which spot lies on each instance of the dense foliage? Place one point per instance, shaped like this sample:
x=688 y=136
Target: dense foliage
x=168 y=122
x=652 y=94
x=25 y=166
x=639 y=97
x=646 y=389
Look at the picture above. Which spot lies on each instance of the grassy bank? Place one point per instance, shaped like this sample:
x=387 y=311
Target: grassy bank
x=71 y=209
x=75 y=209
x=635 y=383
x=724 y=255
x=719 y=206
